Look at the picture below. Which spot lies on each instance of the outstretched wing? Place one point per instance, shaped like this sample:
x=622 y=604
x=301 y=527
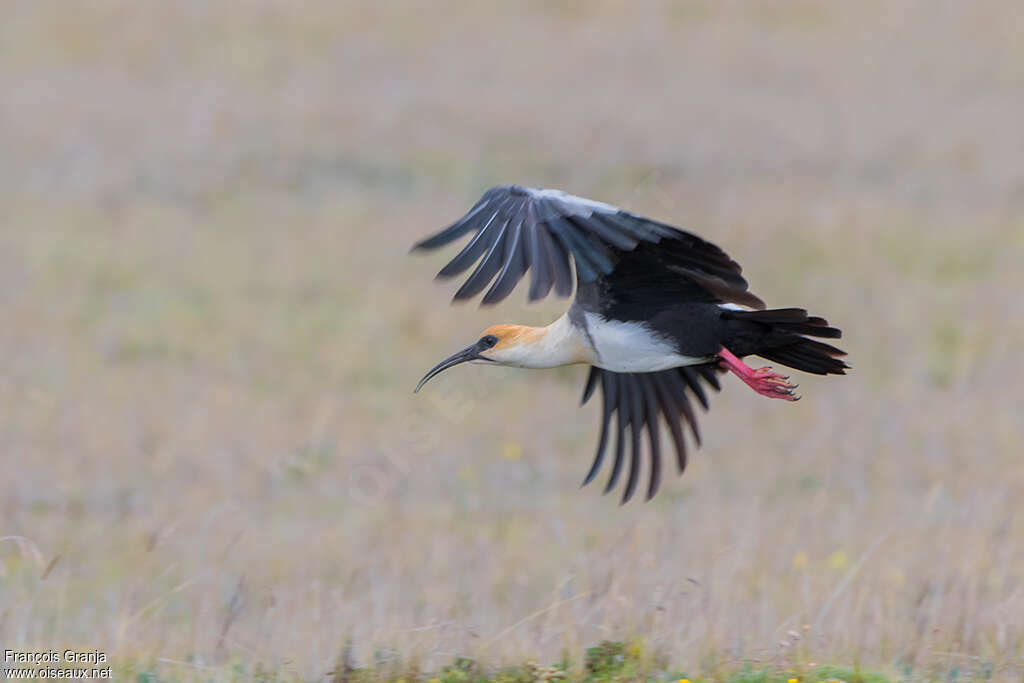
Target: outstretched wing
x=519 y=229
x=637 y=400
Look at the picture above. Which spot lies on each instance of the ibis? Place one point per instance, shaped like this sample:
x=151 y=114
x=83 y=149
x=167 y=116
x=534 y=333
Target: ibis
x=659 y=313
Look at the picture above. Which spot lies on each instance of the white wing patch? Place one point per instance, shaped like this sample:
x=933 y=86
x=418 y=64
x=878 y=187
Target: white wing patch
x=735 y=307
x=571 y=201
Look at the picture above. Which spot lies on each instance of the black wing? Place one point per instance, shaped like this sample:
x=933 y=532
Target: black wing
x=519 y=229
x=636 y=400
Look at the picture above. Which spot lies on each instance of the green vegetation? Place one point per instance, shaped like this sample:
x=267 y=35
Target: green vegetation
x=607 y=662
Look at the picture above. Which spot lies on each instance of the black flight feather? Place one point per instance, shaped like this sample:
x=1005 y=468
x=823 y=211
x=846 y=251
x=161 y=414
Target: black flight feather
x=651 y=410
x=520 y=230
x=641 y=401
x=538 y=263
x=486 y=269
x=636 y=421
x=622 y=420
x=512 y=270
x=671 y=410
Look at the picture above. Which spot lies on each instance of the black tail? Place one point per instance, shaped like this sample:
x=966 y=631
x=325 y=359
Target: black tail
x=780 y=335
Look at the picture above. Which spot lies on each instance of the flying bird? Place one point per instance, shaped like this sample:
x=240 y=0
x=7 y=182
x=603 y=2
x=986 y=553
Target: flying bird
x=659 y=313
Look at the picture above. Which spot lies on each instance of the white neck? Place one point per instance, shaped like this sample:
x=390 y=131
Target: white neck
x=562 y=344
x=559 y=343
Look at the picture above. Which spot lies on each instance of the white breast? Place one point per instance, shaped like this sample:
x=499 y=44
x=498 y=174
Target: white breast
x=632 y=347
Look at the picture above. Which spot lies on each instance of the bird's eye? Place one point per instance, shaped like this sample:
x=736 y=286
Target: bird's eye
x=489 y=341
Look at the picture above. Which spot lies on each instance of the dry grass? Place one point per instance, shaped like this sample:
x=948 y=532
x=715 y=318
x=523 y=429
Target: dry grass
x=210 y=328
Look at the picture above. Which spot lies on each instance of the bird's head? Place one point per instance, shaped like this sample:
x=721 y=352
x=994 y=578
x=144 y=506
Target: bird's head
x=515 y=345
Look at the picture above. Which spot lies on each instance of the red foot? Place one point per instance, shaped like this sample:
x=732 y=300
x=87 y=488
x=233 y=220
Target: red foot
x=761 y=380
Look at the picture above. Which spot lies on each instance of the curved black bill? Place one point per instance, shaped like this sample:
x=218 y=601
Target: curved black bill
x=467 y=354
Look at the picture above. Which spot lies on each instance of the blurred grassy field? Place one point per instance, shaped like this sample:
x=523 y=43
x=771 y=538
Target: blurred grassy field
x=210 y=329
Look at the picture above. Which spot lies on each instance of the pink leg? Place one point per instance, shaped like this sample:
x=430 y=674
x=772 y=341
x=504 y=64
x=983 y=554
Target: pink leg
x=761 y=380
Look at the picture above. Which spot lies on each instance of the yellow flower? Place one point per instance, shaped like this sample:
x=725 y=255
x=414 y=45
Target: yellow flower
x=511 y=450
x=838 y=560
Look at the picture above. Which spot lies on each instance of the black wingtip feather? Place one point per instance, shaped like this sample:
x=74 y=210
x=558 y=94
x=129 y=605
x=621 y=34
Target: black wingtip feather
x=651 y=411
x=541 y=279
x=474 y=249
x=511 y=271
x=607 y=406
x=563 y=232
x=636 y=420
x=620 y=444
x=671 y=411
x=455 y=230
x=485 y=270
x=640 y=401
